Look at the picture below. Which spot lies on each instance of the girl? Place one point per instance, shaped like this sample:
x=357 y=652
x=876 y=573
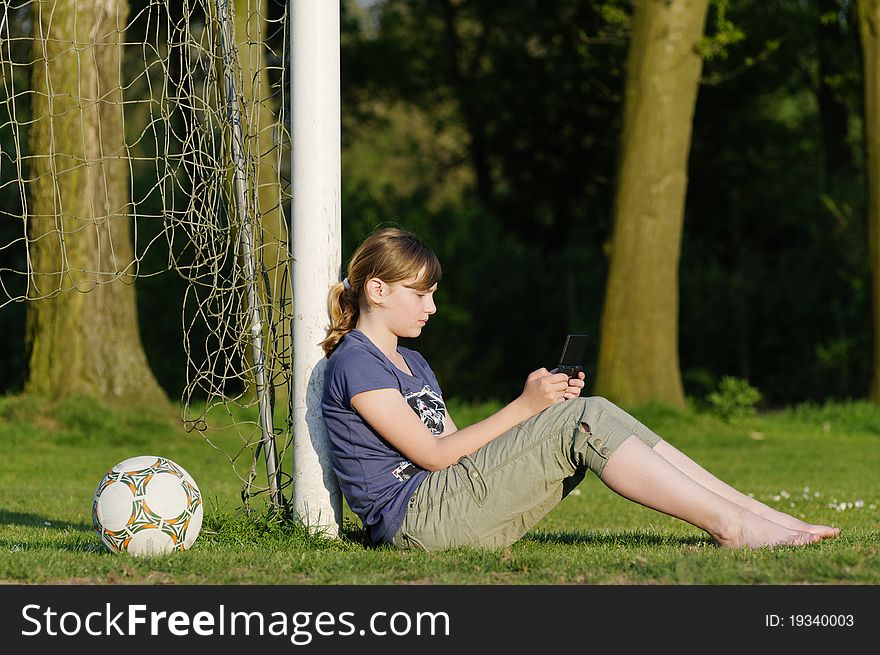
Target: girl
x=418 y=481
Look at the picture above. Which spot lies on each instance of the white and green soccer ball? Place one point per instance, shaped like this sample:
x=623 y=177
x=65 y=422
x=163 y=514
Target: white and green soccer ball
x=147 y=506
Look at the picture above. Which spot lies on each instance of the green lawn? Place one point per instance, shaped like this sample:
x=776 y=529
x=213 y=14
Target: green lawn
x=818 y=462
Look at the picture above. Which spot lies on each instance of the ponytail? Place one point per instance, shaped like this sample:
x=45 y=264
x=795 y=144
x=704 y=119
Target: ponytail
x=343 y=310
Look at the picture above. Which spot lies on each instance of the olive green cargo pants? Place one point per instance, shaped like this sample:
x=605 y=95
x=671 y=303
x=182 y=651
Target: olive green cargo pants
x=494 y=496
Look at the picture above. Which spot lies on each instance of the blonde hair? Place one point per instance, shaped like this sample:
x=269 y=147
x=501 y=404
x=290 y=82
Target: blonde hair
x=390 y=254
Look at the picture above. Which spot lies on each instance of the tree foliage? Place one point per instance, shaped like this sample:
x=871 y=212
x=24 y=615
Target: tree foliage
x=493 y=129
x=773 y=275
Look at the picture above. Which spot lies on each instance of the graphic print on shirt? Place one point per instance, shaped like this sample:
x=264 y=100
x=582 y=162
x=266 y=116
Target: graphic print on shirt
x=430 y=408
x=405 y=470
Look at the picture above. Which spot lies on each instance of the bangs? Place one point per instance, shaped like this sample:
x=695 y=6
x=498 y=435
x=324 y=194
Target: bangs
x=424 y=265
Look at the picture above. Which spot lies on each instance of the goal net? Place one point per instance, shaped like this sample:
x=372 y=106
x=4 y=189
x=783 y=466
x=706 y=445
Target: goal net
x=167 y=118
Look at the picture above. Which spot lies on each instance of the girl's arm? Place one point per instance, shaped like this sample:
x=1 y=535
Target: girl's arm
x=575 y=385
x=448 y=425
x=390 y=415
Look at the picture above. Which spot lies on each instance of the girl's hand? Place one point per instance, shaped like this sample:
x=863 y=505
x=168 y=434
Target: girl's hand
x=543 y=389
x=575 y=386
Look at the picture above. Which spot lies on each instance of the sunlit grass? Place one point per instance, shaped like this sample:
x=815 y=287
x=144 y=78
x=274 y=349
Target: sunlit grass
x=817 y=462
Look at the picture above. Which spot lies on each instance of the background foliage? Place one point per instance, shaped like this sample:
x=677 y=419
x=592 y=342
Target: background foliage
x=491 y=129
x=774 y=273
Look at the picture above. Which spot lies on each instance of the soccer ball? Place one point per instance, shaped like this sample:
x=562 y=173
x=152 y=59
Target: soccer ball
x=147 y=506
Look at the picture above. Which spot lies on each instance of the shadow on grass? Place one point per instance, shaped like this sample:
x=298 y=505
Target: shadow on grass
x=70 y=545
x=634 y=539
x=35 y=520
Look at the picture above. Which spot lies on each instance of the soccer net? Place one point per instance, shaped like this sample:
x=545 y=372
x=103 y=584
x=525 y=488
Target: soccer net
x=156 y=131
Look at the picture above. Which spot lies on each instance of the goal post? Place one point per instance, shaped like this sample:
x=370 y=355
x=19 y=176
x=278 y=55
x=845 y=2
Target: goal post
x=315 y=241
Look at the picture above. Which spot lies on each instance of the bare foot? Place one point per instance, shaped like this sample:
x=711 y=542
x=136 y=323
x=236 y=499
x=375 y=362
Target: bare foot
x=790 y=522
x=753 y=531
x=824 y=531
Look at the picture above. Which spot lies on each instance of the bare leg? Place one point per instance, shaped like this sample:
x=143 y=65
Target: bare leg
x=638 y=473
x=701 y=476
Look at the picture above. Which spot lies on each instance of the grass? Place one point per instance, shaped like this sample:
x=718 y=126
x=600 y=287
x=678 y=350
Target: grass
x=819 y=462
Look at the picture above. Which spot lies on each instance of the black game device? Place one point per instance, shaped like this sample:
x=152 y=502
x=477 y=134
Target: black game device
x=572 y=352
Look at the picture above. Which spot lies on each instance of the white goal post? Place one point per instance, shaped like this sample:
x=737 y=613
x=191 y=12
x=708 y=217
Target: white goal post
x=315 y=240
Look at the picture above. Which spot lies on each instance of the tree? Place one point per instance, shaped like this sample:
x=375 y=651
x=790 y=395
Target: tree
x=832 y=39
x=638 y=353
x=83 y=334
x=869 y=28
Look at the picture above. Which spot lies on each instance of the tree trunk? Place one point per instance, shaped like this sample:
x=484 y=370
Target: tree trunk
x=833 y=111
x=462 y=80
x=83 y=335
x=638 y=354
x=869 y=28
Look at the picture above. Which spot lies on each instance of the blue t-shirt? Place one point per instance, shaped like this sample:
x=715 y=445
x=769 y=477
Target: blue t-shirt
x=376 y=479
